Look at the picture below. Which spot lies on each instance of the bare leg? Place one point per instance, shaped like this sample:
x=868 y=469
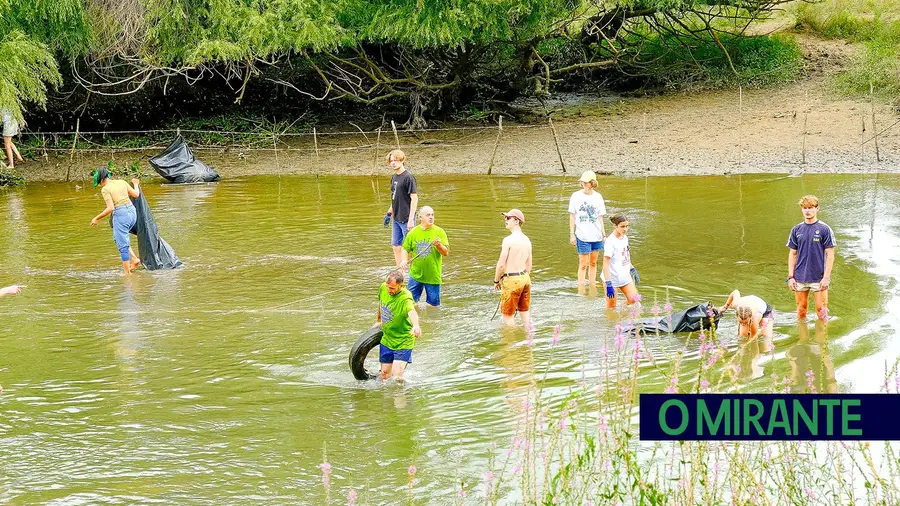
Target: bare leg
x=16 y=151
x=7 y=145
x=398 y=255
x=526 y=317
x=385 y=371
x=135 y=261
x=127 y=266
x=592 y=267
x=399 y=367
x=582 y=269
x=802 y=299
x=611 y=302
x=821 y=298
x=630 y=292
x=509 y=319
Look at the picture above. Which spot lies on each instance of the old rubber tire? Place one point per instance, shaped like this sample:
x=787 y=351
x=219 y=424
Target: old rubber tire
x=370 y=339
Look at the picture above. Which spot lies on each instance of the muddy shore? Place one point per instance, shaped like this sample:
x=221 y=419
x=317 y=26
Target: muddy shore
x=787 y=130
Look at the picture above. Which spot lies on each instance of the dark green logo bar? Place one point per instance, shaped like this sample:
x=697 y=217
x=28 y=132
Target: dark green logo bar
x=755 y=417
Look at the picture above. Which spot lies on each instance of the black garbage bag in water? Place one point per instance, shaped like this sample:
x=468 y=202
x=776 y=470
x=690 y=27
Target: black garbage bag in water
x=155 y=253
x=178 y=165
x=692 y=319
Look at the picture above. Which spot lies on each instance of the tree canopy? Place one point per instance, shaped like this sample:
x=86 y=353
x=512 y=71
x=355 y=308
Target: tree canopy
x=428 y=51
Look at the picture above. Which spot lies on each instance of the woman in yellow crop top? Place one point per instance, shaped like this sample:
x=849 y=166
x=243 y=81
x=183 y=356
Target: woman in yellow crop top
x=116 y=193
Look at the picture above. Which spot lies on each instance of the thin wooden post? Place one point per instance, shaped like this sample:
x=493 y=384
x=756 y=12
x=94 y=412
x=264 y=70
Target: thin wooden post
x=316 y=141
x=496 y=145
x=740 y=125
x=275 y=147
x=874 y=126
x=862 y=137
x=805 y=121
x=396 y=137
x=375 y=154
x=72 y=152
x=556 y=141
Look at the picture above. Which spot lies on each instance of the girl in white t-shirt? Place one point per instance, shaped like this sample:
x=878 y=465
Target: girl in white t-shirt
x=586 y=211
x=617 y=268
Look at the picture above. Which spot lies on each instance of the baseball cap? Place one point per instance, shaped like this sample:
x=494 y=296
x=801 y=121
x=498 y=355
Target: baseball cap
x=515 y=213
x=588 y=176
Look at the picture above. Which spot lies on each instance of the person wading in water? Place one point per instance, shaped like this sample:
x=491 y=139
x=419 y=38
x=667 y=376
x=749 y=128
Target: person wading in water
x=116 y=192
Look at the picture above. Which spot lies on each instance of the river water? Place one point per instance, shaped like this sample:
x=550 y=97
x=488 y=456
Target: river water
x=226 y=381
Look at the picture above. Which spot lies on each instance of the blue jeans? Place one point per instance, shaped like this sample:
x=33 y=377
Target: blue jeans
x=123 y=219
x=432 y=292
x=585 y=248
x=398 y=233
x=387 y=355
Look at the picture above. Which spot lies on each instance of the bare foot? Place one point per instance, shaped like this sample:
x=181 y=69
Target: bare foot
x=135 y=264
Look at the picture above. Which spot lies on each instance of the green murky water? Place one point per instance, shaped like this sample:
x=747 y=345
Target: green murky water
x=181 y=386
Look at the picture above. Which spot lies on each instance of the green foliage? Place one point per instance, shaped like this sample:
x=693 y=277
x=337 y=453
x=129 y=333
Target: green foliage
x=26 y=67
x=875 y=68
x=10 y=177
x=873 y=23
x=129 y=171
x=757 y=61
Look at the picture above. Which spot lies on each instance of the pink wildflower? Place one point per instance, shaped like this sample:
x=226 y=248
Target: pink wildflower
x=563 y=421
x=667 y=308
x=605 y=351
x=620 y=341
x=352 y=496
x=655 y=309
x=412 y=471
x=326 y=474
x=517 y=470
x=673 y=382
x=704 y=385
x=638 y=297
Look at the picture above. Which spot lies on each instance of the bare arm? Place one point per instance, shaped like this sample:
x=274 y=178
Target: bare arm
x=792 y=262
x=106 y=212
x=414 y=319
x=444 y=250
x=731 y=298
x=413 y=204
x=829 y=264
x=501 y=262
x=528 y=260
x=136 y=191
x=571 y=229
x=606 y=268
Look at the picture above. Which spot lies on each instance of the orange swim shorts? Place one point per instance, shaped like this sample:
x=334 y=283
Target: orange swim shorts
x=515 y=294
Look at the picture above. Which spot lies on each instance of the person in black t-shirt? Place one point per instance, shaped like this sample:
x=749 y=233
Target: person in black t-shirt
x=403 y=203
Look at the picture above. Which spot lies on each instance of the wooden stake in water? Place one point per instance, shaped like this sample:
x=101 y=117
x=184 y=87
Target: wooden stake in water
x=874 y=126
x=556 y=141
x=496 y=145
x=396 y=137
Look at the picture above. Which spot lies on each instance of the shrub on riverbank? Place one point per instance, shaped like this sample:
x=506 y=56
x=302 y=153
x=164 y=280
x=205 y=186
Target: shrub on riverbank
x=875 y=24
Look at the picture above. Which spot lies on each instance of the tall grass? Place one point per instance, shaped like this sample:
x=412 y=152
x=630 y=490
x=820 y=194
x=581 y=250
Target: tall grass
x=875 y=24
x=585 y=449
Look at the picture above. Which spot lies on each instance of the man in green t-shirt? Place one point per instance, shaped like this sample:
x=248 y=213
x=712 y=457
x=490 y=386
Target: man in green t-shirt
x=429 y=244
x=399 y=324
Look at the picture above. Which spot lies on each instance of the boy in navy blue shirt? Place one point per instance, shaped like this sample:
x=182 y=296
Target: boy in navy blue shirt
x=811 y=259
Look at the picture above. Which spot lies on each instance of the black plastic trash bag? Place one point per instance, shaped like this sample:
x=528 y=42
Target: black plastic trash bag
x=692 y=319
x=178 y=165
x=155 y=253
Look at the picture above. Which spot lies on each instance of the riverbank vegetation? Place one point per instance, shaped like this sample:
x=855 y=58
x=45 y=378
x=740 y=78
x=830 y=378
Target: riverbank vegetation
x=872 y=24
x=423 y=60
